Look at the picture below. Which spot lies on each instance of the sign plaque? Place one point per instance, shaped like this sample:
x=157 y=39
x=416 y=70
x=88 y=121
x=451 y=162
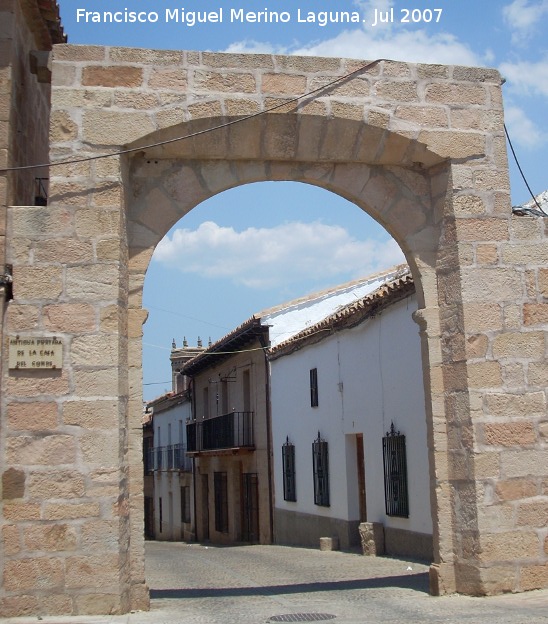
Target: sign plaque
x=35 y=352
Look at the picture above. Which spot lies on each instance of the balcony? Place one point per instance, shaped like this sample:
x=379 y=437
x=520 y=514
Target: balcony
x=229 y=431
x=173 y=457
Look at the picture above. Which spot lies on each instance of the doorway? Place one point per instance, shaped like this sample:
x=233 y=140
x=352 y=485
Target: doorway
x=250 y=507
x=205 y=507
x=360 y=466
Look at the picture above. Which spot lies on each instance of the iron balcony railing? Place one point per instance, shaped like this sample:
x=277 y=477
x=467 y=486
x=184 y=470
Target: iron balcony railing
x=232 y=430
x=171 y=457
x=181 y=461
x=148 y=460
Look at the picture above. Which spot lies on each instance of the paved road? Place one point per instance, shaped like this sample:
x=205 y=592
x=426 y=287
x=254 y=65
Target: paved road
x=198 y=584
x=256 y=584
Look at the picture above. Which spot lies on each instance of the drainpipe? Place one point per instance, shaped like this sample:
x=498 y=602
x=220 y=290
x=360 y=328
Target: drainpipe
x=268 y=435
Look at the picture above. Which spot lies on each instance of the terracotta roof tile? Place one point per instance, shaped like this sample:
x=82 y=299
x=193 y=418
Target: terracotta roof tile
x=395 y=289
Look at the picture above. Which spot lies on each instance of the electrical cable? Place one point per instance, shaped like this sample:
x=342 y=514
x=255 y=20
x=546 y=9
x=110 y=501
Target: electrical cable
x=149 y=344
x=199 y=132
x=192 y=318
x=523 y=176
x=208 y=352
x=252 y=116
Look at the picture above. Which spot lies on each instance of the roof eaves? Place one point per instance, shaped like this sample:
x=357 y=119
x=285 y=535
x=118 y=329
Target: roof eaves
x=45 y=20
x=225 y=346
x=158 y=399
x=167 y=400
x=348 y=316
x=397 y=270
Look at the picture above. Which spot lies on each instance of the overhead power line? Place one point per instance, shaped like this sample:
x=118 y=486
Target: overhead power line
x=522 y=175
x=290 y=101
x=200 y=132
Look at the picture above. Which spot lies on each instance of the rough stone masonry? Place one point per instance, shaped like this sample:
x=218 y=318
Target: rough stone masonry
x=421 y=148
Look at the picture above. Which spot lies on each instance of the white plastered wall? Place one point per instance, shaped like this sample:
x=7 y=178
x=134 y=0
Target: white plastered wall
x=368 y=377
x=167 y=484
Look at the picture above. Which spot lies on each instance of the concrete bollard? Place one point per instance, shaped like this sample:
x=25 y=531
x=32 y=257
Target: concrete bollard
x=329 y=543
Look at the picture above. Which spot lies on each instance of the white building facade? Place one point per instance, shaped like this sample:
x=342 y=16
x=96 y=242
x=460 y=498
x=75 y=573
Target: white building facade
x=229 y=438
x=173 y=478
x=337 y=389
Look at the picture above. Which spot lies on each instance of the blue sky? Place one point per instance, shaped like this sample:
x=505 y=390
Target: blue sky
x=262 y=244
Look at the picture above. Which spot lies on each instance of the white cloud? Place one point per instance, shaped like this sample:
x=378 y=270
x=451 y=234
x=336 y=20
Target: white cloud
x=270 y=257
x=521 y=129
x=367 y=6
x=410 y=46
x=527 y=77
x=384 y=41
x=522 y=17
x=406 y=45
x=250 y=46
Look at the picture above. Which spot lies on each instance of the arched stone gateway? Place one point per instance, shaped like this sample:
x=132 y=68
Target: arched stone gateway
x=419 y=147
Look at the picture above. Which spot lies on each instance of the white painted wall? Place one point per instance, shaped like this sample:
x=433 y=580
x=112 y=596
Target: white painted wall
x=167 y=484
x=368 y=377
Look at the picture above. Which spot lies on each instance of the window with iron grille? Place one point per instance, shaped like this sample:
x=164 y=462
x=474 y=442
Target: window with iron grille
x=395 y=474
x=288 y=466
x=313 y=387
x=158 y=451
x=220 y=487
x=185 y=503
x=159 y=463
x=160 y=515
x=205 y=398
x=320 y=463
x=148 y=460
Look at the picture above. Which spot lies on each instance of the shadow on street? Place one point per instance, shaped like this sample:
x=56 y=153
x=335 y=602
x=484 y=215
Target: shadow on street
x=417 y=582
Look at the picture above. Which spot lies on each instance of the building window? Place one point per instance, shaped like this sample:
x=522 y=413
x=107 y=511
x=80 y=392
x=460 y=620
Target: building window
x=224 y=396
x=246 y=383
x=395 y=474
x=320 y=463
x=205 y=398
x=158 y=465
x=185 y=503
x=159 y=453
x=313 y=387
x=149 y=517
x=220 y=488
x=160 y=515
x=148 y=459
x=288 y=465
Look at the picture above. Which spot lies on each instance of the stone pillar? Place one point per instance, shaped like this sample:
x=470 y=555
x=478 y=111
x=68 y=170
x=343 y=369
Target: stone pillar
x=372 y=538
x=486 y=381
x=67 y=507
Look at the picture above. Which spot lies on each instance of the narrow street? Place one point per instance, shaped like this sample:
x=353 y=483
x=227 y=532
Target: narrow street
x=195 y=583
x=199 y=584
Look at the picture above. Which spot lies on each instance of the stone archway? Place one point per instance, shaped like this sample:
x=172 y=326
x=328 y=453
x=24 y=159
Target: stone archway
x=420 y=148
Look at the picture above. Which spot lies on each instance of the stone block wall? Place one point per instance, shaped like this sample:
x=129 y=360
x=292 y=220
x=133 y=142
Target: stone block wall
x=507 y=351
x=419 y=147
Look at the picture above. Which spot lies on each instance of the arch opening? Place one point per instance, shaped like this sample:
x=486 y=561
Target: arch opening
x=398 y=531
